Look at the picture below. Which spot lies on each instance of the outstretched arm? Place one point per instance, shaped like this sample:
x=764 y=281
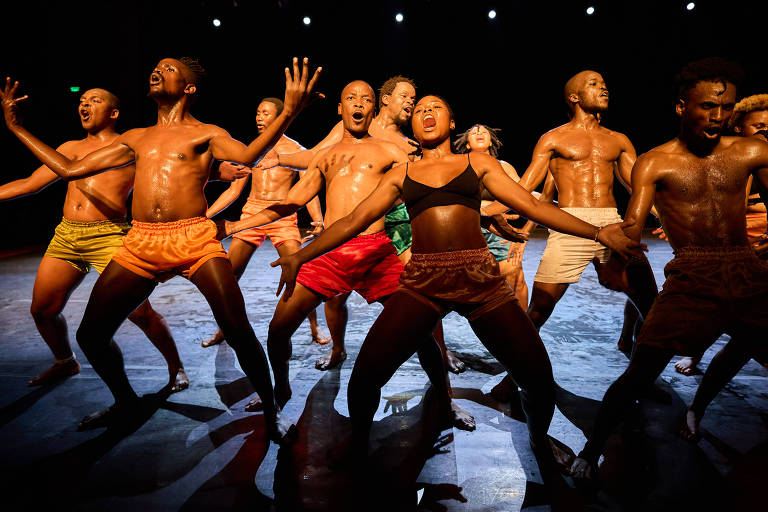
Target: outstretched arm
x=32 y=184
x=298 y=94
x=344 y=229
x=514 y=196
x=300 y=160
x=227 y=197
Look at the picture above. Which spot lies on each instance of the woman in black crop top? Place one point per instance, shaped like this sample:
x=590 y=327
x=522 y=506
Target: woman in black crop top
x=451 y=269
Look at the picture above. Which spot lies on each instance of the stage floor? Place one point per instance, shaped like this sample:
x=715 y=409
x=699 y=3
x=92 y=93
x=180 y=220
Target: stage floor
x=200 y=450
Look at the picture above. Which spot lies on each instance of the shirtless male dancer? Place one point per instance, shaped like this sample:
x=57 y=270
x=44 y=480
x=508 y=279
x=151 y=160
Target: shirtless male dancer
x=715 y=283
x=267 y=186
x=350 y=171
x=91 y=230
x=583 y=157
x=170 y=233
x=397 y=96
x=749 y=119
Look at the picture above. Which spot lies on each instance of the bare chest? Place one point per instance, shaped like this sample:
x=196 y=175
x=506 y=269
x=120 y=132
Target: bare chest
x=592 y=148
x=354 y=165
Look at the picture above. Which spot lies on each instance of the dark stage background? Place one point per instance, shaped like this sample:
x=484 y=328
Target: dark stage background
x=507 y=72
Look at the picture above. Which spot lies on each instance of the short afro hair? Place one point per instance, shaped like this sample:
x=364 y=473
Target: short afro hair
x=711 y=69
x=747 y=105
x=195 y=72
x=277 y=102
x=389 y=85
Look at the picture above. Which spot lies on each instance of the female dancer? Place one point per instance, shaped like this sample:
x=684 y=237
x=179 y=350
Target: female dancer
x=483 y=139
x=451 y=269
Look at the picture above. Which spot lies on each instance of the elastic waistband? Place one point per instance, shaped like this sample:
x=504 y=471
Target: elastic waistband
x=262 y=202
x=452 y=258
x=693 y=251
x=92 y=223
x=167 y=226
x=592 y=212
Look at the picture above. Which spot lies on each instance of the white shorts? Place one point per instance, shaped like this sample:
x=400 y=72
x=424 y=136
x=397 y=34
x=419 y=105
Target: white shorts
x=566 y=256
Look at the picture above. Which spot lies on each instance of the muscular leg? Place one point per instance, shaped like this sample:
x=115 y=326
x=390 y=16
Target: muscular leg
x=287 y=318
x=628 y=328
x=156 y=328
x=646 y=365
x=218 y=284
x=54 y=283
x=336 y=315
x=453 y=363
x=115 y=295
x=240 y=253
x=724 y=366
x=398 y=332
x=544 y=298
x=642 y=292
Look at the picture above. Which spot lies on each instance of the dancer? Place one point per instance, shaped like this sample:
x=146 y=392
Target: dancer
x=509 y=255
x=267 y=186
x=451 y=269
x=395 y=105
x=715 y=283
x=583 y=156
x=91 y=230
x=749 y=119
x=170 y=234
x=350 y=170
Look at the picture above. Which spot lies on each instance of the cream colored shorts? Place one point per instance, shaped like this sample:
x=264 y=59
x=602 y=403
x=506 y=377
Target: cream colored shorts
x=566 y=256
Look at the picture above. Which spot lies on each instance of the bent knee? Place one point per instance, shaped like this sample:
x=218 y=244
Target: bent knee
x=45 y=310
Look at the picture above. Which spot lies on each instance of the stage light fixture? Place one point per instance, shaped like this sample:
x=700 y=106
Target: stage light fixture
x=74 y=88
x=399 y=17
x=491 y=14
x=216 y=22
x=307 y=20
x=690 y=6
x=590 y=10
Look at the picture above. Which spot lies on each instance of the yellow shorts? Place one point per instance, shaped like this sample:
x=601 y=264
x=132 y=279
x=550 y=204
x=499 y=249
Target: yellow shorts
x=87 y=244
x=279 y=232
x=566 y=256
x=161 y=250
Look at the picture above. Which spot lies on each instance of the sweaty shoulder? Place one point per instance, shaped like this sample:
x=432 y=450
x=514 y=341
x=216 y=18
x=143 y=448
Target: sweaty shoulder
x=391 y=148
x=551 y=137
x=481 y=162
x=288 y=145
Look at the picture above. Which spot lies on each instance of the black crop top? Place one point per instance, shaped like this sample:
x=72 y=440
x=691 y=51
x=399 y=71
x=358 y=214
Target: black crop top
x=463 y=189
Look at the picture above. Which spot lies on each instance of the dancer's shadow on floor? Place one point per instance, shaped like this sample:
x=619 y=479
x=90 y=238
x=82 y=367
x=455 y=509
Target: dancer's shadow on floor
x=302 y=478
x=19 y=406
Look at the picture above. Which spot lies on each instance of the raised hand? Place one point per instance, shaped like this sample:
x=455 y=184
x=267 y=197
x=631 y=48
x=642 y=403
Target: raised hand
x=613 y=237
x=314 y=232
x=290 y=269
x=10 y=103
x=299 y=90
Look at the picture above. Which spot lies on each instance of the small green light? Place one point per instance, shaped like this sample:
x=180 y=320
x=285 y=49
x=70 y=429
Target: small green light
x=74 y=88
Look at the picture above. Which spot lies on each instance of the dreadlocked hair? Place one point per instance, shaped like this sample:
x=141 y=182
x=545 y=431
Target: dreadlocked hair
x=461 y=143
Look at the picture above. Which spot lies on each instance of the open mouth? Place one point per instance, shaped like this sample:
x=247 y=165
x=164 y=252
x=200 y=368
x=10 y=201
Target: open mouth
x=712 y=131
x=85 y=115
x=357 y=116
x=429 y=122
x=408 y=110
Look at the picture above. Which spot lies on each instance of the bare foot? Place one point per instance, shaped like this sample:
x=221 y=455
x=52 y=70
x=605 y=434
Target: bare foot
x=56 y=372
x=254 y=405
x=321 y=337
x=180 y=381
x=461 y=419
x=213 y=340
x=687 y=365
x=689 y=426
x=116 y=415
x=282 y=431
x=582 y=470
x=330 y=360
x=505 y=390
x=453 y=363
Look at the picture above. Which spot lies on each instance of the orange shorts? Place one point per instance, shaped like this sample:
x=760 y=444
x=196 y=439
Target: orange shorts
x=279 y=232
x=161 y=250
x=756 y=225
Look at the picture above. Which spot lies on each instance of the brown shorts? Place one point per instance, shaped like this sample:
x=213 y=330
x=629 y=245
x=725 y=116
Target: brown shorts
x=708 y=292
x=468 y=282
x=161 y=250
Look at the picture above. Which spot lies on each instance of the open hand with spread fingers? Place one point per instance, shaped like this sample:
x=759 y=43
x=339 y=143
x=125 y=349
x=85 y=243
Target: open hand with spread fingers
x=10 y=103
x=299 y=89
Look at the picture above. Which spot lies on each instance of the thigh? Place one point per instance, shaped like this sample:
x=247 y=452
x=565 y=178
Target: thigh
x=216 y=281
x=116 y=294
x=288 y=247
x=642 y=285
x=398 y=332
x=54 y=283
x=240 y=253
x=289 y=314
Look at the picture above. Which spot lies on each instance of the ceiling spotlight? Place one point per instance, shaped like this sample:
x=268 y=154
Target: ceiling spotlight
x=399 y=17
x=491 y=14
x=690 y=6
x=216 y=22
x=590 y=10
x=307 y=20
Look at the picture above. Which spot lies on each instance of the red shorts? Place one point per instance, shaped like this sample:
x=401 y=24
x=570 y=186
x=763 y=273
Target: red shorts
x=366 y=264
x=161 y=250
x=279 y=232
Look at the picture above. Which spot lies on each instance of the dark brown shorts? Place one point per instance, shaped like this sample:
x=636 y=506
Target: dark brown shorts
x=708 y=292
x=468 y=282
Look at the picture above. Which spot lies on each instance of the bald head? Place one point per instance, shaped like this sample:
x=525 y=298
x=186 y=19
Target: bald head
x=107 y=96
x=584 y=88
x=359 y=86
